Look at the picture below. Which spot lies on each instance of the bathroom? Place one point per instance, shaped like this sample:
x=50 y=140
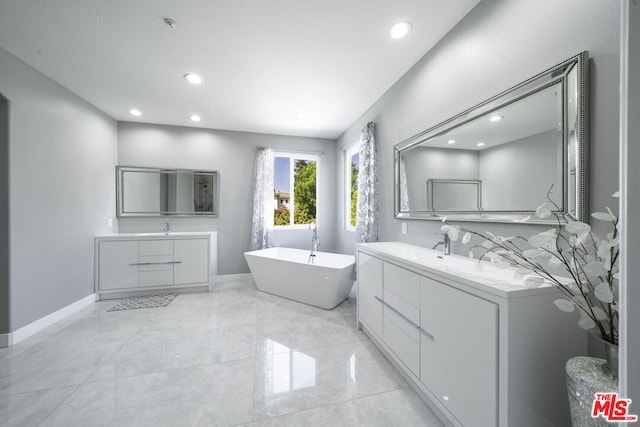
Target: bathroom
x=58 y=186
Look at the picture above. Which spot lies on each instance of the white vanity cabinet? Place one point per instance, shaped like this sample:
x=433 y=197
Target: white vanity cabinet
x=480 y=349
x=127 y=264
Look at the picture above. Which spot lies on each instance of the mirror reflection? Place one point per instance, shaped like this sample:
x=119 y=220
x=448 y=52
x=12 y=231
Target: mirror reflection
x=153 y=192
x=501 y=160
x=522 y=141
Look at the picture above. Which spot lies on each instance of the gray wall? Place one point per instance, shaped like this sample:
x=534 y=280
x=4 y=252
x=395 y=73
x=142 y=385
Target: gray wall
x=62 y=156
x=233 y=155
x=497 y=45
x=4 y=216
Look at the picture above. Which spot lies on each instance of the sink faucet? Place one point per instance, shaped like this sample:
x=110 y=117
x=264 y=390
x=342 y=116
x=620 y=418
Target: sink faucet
x=446 y=245
x=315 y=242
x=167 y=228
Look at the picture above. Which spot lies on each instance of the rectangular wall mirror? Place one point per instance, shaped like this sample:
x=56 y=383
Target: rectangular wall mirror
x=166 y=192
x=497 y=161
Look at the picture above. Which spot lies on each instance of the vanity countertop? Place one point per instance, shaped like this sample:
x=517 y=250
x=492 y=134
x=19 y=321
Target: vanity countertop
x=482 y=276
x=159 y=235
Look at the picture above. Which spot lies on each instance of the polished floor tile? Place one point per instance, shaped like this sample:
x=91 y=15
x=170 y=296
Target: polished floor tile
x=290 y=381
x=218 y=394
x=31 y=409
x=234 y=356
x=397 y=408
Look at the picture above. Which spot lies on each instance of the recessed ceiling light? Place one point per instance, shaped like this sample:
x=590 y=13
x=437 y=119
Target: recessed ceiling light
x=194 y=118
x=451 y=141
x=193 y=78
x=170 y=23
x=135 y=112
x=496 y=118
x=480 y=144
x=301 y=116
x=400 y=29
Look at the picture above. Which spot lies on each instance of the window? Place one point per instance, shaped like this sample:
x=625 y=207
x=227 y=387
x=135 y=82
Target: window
x=294 y=193
x=352 y=166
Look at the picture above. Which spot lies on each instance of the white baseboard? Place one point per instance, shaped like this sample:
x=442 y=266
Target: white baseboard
x=12 y=338
x=226 y=278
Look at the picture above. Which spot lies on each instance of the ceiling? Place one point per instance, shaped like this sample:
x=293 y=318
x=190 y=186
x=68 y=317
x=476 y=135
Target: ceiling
x=263 y=62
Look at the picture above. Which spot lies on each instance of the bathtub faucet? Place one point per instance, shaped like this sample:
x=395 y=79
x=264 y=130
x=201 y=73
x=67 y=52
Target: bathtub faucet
x=315 y=242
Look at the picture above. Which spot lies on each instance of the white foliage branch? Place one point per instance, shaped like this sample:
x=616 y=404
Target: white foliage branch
x=589 y=264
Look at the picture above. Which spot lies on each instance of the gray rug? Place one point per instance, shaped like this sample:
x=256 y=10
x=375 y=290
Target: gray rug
x=149 y=301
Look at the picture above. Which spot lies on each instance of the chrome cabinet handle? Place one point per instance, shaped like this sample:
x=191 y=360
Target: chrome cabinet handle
x=395 y=310
x=156 y=263
x=431 y=337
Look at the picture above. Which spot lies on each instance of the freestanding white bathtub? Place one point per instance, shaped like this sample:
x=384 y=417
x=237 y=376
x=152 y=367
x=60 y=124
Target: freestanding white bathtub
x=287 y=273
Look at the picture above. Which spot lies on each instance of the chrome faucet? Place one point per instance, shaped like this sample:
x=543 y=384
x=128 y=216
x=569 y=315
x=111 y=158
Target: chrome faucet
x=315 y=242
x=167 y=228
x=446 y=245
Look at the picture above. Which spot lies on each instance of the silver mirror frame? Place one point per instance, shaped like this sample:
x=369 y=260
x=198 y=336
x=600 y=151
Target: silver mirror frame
x=120 y=191
x=551 y=76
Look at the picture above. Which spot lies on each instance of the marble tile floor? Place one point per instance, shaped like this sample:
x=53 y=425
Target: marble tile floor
x=235 y=356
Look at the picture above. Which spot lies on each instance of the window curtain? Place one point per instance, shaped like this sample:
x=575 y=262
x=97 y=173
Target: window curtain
x=262 y=224
x=367 y=204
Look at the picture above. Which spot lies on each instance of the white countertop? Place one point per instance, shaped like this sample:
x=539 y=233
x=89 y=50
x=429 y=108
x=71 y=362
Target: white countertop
x=159 y=235
x=487 y=277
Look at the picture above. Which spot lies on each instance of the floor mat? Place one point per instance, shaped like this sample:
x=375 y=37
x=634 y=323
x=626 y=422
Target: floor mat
x=150 y=301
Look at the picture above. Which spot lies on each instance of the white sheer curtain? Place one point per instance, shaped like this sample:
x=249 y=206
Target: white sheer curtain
x=262 y=224
x=367 y=205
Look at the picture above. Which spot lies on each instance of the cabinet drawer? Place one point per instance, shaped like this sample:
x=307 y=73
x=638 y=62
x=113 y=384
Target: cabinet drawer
x=403 y=344
x=409 y=328
x=403 y=283
x=156 y=278
x=155 y=247
x=156 y=263
x=401 y=306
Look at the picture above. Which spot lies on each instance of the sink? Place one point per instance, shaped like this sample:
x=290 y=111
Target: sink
x=171 y=233
x=154 y=234
x=486 y=273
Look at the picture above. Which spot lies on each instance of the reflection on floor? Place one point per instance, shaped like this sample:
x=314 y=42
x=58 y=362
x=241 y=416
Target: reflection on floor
x=235 y=356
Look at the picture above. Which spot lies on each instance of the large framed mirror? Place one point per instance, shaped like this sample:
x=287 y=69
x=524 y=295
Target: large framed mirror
x=499 y=160
x=166 y=192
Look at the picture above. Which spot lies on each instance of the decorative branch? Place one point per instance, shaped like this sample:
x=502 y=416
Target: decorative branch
x=591 y=285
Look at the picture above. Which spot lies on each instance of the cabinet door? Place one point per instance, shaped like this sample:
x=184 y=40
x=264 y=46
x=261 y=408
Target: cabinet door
x=191 y=257
x=370 y=287
x=118 y=265
x=459 y=361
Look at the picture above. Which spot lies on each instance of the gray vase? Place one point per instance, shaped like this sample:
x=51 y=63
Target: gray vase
x=610 y=355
